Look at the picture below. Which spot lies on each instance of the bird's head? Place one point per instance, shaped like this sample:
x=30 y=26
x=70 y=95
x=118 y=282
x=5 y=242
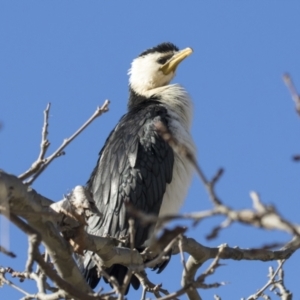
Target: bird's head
x=155 y=67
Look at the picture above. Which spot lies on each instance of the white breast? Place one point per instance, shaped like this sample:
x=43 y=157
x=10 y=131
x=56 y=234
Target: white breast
x=179 y=106
x=182 y=172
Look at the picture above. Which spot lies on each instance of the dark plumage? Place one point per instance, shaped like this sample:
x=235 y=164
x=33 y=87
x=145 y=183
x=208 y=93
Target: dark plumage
x=134 y=165
x=161 y=48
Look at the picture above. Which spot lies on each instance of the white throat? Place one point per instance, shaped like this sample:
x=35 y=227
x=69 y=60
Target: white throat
x=145 y=74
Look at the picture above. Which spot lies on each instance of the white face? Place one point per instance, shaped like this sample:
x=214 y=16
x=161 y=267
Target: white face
x=145 y=73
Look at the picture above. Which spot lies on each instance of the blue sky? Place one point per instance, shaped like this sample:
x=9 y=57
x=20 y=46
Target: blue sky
x=76 y=54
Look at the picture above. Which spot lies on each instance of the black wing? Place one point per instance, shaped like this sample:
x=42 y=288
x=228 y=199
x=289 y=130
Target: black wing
x=134 y=165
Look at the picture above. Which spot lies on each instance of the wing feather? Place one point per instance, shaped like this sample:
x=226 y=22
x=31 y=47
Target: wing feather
x=134 y=165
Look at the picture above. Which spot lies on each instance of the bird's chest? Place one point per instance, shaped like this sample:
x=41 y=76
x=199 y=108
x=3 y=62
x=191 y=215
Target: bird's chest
x=182 y=172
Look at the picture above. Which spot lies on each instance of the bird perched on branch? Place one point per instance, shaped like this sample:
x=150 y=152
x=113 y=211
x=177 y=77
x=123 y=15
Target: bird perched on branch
x=136 y=163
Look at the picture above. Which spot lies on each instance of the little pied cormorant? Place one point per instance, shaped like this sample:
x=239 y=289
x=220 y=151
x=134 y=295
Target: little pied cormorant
x=136 y=164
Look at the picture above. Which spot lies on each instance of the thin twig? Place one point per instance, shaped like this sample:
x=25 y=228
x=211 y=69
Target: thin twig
x=181 y=253
x=292 y=89
x=8 y=282
x=212 y=267
x=148 y=286
x=45 y=143
x=284 y=293
x=48 y=270
x=44 y=147
x=190 y=287
x=269 y=283
x=99 y=111
x=159 y=258
x=7 y=252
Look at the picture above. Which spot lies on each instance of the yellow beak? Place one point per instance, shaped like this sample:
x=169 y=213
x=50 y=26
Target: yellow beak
x=171 y=65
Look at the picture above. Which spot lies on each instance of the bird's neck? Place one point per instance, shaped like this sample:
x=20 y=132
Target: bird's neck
x=174 y=97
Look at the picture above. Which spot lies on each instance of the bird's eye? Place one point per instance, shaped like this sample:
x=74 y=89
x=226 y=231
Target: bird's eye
x=164 y=59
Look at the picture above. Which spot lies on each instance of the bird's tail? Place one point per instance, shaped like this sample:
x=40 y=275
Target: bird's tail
x=119 y=272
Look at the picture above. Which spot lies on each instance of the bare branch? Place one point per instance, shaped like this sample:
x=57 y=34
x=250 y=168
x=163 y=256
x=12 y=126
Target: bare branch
x=3 y=280
x=7 y=252
x=292 y=89
x=181 y=253
x=269 y=283
x=25 y=200
x=45 y=143
x=44 y=146
x=283 y=292
x=215 y=264
x=107 y=252
x=69 y=288
x=39 y=167
x=148 y=286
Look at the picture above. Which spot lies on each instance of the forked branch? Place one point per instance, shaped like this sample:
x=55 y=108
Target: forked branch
x=42 y=163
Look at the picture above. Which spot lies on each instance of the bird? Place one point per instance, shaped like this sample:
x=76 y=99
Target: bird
x=136 y=164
